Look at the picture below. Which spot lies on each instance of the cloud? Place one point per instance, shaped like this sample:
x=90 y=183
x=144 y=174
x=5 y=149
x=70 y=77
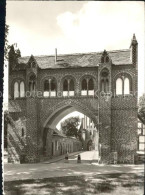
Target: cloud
x=103 y=23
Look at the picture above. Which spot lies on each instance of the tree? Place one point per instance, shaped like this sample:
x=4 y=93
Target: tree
x=141 y=109
x=7 y=46
x=6 y=120
x=70 y=126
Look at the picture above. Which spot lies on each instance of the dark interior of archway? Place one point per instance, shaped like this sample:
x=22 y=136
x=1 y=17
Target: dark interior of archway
x=56 y=118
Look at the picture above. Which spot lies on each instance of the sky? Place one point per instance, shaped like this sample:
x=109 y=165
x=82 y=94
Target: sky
x=39 y=27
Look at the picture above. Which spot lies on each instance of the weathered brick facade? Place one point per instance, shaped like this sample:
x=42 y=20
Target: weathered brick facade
x=115 y=115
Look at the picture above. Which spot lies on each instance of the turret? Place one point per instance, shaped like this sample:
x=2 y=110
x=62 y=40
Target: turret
x=134 y=51
x=12 y=58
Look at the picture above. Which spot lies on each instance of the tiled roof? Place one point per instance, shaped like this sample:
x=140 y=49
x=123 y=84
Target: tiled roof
x=118 y=57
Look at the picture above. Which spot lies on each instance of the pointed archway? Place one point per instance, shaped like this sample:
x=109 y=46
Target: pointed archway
x=59 y=112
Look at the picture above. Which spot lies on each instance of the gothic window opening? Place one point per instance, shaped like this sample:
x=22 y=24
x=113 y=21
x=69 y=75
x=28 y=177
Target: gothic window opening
x=126 y=86
x=53 y=85
x=16 y=90
x=19 y=89
x=30 y=86
x=53 y=88
x=91 y=84
x=71 y=85
x=68 y=87
x=65 y=88
x=65 y=85
x=22 y=89
x=91 y=87
x=123 y=86
x=119 y=86
x=46 y=88
x=50 y=88
x=71 y=88
x=23 y=133
x=107 y=85
x=46 y=85
x=87 y=87
x=84 y=87
x=34 y=86
x=104 y=84
x=32 y=83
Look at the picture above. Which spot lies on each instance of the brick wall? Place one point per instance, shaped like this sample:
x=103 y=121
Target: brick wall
x=105 y=128
x=32 y=130
x=124 y=128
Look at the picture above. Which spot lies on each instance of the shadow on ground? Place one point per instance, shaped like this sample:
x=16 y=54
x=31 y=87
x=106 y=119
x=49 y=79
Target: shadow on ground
x=104 y=184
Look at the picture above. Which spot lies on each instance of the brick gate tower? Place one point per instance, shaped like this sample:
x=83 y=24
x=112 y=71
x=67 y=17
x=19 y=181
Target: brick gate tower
x=101 y=85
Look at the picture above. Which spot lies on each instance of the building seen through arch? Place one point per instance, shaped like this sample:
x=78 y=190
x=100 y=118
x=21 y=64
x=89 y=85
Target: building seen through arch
x=90 y=134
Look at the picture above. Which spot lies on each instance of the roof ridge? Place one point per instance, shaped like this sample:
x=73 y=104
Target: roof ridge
x=74 y=54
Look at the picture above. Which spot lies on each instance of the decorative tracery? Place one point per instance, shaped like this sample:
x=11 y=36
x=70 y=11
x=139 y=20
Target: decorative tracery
x=50 y=87
x=123 y=84
x=87 y=86
x=68 y=87
x=19 y=89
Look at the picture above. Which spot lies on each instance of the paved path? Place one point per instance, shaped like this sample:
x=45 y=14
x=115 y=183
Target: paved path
x=86 y=157
x=59 y=158
x=59 y=169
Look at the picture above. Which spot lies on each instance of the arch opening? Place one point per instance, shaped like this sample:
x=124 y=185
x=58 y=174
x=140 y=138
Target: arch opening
x=87 y=128
x=32 y=83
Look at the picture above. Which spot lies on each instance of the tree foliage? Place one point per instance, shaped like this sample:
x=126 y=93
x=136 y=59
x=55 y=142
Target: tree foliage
x=141 y=109
x=7 y=46
x=6 y=121
x=70 y=126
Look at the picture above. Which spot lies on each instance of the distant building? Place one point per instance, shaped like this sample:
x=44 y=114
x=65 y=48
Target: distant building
x=90 y=135
x=141 y=135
